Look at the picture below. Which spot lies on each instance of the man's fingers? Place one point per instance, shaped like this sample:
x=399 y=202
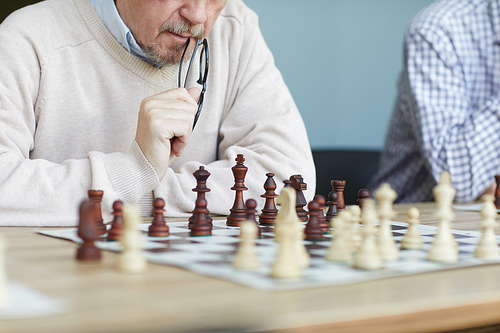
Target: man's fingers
x=195 y=93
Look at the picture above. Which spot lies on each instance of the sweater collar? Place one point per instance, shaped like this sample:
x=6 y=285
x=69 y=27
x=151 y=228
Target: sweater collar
x=108 y=13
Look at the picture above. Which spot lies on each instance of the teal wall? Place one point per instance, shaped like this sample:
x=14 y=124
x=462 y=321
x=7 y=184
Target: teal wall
x=341 y=60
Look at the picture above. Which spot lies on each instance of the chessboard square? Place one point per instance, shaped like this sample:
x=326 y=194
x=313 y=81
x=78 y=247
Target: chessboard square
x=412 y=266
x=153 y=239
x=177 y=230
x=465 y=248
x=216 y=239
x=202 y=247
x=182 y=259
x=409 y=255
x=334 y=274
x=319 y=252
x=226 y=232
x=468 y=241
x=427 y=239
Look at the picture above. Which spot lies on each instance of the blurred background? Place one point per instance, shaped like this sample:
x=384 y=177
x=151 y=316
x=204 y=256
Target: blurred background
x=341 y=60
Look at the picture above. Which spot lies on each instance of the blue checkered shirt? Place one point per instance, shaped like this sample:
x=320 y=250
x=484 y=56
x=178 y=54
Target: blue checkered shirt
x=447 y=115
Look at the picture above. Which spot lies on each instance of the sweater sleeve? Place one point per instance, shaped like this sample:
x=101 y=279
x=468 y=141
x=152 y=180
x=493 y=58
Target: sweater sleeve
x=36 y=192
x=260 y=121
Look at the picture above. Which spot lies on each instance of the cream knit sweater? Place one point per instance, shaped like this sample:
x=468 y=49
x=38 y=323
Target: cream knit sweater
x=69 y=100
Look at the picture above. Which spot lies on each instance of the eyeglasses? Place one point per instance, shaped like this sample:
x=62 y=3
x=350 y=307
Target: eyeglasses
x=203 y=72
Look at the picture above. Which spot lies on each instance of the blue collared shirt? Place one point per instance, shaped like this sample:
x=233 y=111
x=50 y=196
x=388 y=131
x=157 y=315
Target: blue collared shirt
x=447 y=116
x=107 y=12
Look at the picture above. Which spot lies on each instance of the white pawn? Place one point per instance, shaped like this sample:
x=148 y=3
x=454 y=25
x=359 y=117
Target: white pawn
x=287 y=264
x=368 y=256
x=131 y=260
x=444 y=247
x=412 y=239
x=288 y=214
x=488 y=247
x=4 y=288
x=355 y=229
x=246 y=258
x=341 y=246
x=387 y=246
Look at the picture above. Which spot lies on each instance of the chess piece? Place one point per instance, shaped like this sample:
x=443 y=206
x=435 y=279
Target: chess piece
x=269 y=211
x=4 y=286
x=488 y=247
x=238 y=211
x=87 y=231
x=332 y=206
x=363 y=194
x=288 y=216
x=338 y=186
x=297 y=182
x=201 y=226
x=131 y=260
x=287 y=264
x=355 y=229
x=497 y=192
x=412 y=239
x=250 y=210
x=323 y=223
x=96 y=197
x=287 y=183
x=444 y=247
x=246 y=258
x=117 y=226
x=341 y=246
x=201 y=175
x=368 y=256
x=159 y=227
x=313 y=231
x=387 y=247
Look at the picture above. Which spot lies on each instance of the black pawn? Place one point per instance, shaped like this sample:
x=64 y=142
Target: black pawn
x=323 y=223
x=88 y=232
x=363 y=194
x=158 y=228
x=250 y=211
x=332 y=206
x=269 y=212
x=116 y=231
x=201 y=226
x=201 y=188
x=313 y=230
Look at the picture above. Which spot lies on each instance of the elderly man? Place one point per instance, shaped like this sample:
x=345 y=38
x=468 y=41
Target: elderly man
x=90 y=99
x=447 y=116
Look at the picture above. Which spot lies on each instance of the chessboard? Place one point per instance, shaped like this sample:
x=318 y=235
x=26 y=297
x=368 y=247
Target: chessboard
x=213 y=256
x=474 y=207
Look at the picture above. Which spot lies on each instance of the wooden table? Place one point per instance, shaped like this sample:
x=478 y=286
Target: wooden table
x=171 y=299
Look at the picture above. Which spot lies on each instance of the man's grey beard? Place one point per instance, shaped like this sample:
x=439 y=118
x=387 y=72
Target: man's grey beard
x=160 y=60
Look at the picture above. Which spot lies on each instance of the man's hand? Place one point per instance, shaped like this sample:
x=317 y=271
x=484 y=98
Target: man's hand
x=164 y=126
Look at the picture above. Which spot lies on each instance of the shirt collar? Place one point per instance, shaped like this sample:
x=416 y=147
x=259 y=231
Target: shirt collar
x=107 y=12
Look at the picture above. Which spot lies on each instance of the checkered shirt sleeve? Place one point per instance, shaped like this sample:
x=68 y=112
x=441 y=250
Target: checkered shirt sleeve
x=449 y=99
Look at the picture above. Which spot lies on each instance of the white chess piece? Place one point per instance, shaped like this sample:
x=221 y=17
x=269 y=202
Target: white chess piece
x=387 y=246
x=287 y=264
x=341 y=248
x=488 y=247
x=444 y=247
x=412 y=239
x=368 y=256
x=288 y=214
x=355 y=229
x=131 y=260
x=246 y=258
x=4 y=288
